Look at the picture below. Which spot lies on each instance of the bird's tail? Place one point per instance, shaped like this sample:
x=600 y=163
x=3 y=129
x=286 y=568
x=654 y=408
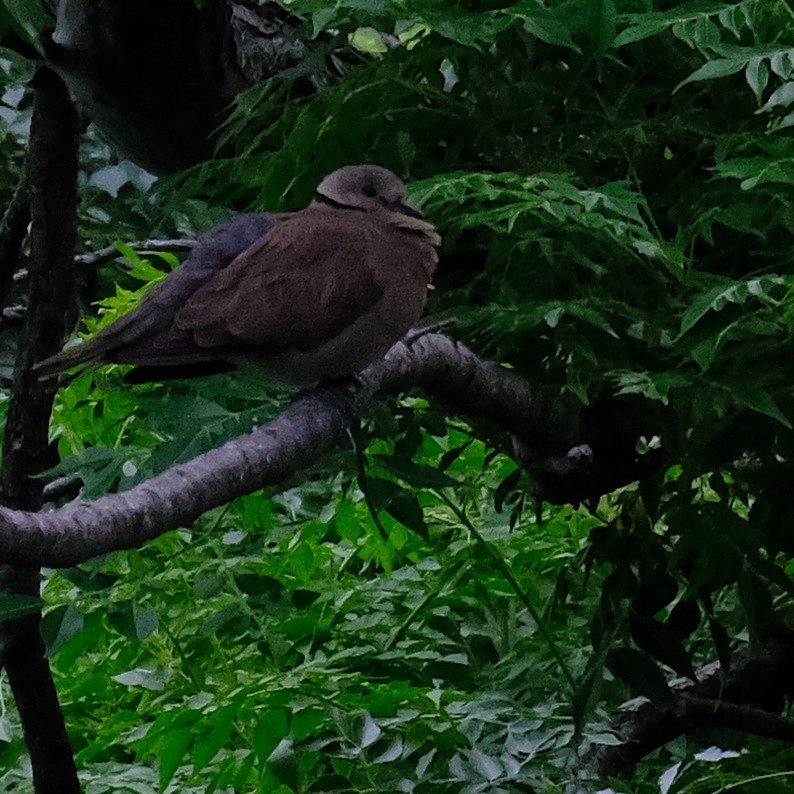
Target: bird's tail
x=71 y=357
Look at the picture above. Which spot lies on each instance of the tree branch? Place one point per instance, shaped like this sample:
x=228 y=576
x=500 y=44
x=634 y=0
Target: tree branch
x=748 y=698
x=311 y=425
x=694 y=712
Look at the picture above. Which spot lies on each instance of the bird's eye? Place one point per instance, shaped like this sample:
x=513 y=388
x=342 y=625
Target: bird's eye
x=369 y=190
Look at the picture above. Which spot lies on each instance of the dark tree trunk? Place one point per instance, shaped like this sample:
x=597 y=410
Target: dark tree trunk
x=52 y=170
x=158 y=78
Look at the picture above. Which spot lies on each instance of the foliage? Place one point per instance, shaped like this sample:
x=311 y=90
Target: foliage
x=613 y=183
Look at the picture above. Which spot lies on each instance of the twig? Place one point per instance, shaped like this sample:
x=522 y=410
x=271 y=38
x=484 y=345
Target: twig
x=13 y=230
x=111 y=252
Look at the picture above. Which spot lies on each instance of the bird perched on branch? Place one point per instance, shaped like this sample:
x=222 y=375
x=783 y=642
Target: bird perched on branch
x=308 y=296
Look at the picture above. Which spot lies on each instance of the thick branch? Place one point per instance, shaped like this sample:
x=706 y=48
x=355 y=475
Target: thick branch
x=307 y=428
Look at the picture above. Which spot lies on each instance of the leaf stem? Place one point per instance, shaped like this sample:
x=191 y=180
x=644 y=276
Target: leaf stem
x=543 y=629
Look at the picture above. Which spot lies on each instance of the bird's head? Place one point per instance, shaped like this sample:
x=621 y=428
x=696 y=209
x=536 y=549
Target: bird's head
x=366 y=187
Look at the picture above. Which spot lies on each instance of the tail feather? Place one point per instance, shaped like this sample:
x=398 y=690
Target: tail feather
x=84 y=353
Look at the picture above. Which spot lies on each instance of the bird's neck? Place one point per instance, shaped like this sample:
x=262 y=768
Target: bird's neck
x=409 y=224
x=415 y=226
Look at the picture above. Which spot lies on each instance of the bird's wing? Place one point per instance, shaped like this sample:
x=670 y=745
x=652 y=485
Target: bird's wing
x=127 y=338
x=215 y=251
x=313 y=275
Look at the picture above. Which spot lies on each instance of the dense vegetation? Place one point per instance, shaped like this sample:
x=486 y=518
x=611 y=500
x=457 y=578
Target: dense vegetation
x=613 y=183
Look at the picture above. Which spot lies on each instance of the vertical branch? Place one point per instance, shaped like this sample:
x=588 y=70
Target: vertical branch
x=52 y=181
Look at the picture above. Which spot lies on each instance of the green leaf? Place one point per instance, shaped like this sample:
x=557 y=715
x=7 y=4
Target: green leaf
x=167 y=723
x=306 y=723
x=588 y=690
x=153 y=679
x=712 y=70
x=133 y=621
x=504 y=488
x=207 y=745
x=207 y=585
x=89 y=581
x=651 y=24
x=406 y=508
x=545 y=24
x=717 y=297
x=146 y=622
x=369 y=731
x=654 y=386
x=303 y=561
x=59 y=626
x=757 y=75
x=172 y=751
x=759 y=401
x=602 y=25
x=781 y=97
x=271 y=728
x=28 y=18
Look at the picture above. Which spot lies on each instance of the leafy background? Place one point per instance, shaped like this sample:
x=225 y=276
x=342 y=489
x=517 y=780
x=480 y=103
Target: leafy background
x=613 y=182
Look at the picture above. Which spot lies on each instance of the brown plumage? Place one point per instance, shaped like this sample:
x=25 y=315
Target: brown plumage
x=308 y=296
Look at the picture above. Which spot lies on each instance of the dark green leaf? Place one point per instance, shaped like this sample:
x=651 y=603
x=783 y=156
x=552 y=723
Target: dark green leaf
x=684 y=618
x=722 y=642
x=399 y=502
x=59 y=626
x=656 y=639
x=132 y=620
x=642 y=675
x=656 y=590
x=89 y=581
x=504 y=488
x=15 y=606
x=29 y=19
x=756 y=602
x=712 y=70
x=418 y=475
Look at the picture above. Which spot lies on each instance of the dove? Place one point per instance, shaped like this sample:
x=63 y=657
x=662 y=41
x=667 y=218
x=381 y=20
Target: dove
x=308 y=296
